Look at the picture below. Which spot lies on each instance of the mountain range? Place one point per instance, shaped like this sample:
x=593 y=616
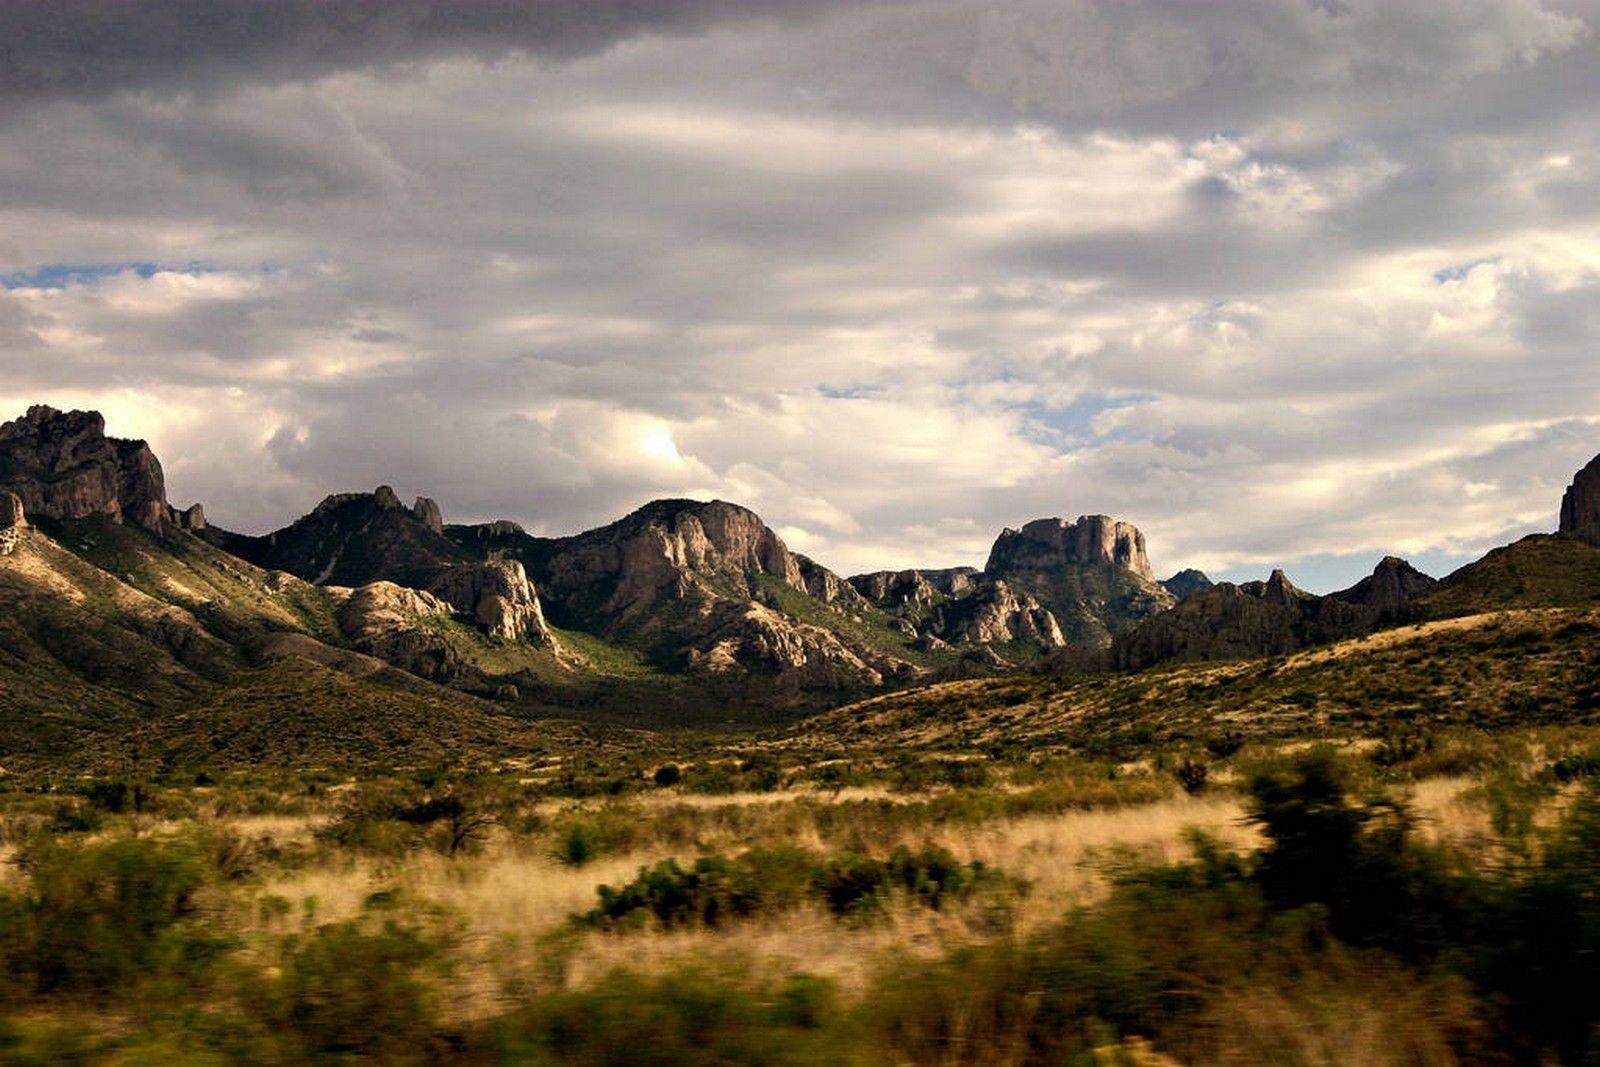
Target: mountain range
x=121 y=613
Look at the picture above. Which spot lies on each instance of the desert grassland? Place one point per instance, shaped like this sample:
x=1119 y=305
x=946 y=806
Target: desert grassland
x=783 y=901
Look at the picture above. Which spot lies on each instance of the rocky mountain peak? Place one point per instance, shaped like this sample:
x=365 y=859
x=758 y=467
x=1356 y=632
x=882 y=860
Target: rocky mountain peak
x=1580 y=506
x=1045 y=544
x=1278 y=589
x=1390 y=589
x=63 y=466
x=1187 y=583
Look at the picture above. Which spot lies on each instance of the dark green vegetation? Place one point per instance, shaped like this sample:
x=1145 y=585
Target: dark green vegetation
x=718 y=889
x=1347 y=936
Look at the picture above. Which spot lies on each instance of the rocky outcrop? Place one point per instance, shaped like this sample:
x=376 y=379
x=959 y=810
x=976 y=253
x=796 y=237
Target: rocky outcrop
x=12 y=513
x=994 y=613
x=1186 y=583
x=498 y=597
x=351 y=539
x=63 y=466
x=192 y=518
x=1580 y=506
x=386 y=620
x=713 y=585
x=13 y=521
x=1268 y=618
x=663 y=551
x=427 y=512
x=1049 y=544
x=914 y=593
x=754 y=638
x=1389 y=590
x=1092 y=574
x=958 y=605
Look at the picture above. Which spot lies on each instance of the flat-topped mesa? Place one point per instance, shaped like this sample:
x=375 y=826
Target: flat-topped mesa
x=1580 y=506
x=1045 y=544
x=63 y=466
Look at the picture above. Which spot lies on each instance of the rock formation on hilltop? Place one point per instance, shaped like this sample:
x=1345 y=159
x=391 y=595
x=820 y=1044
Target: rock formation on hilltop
x=1186 y=583
x=1580 y=506
x=959 y=605
x=1092 y=575
x=63 y=466
x=1048 y=544
x=994 y=613
x=351 y=539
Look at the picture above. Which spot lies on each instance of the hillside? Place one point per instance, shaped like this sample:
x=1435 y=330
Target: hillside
x=1537 y=571
x=1486 y=671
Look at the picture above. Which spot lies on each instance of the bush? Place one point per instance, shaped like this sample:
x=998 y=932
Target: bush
x=1192 y=775
x=346 y=991
x=717 y=888
x=668 y=775
x=100 y=917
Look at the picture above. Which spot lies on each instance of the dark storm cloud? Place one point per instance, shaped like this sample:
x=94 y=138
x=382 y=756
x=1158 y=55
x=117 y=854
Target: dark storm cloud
x=83 y=48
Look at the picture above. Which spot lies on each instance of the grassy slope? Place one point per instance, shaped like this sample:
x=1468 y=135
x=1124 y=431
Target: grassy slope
x=296 y=713
x=1537 y=571
x=1486 y=671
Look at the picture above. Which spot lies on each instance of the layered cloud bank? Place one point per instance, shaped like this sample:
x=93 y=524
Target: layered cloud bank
x=1268 y=278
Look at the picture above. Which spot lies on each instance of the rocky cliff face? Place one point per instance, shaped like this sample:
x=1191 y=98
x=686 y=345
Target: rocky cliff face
x=1580 y=507
x=959 y=605
x=1092 y=574
x=61 y=465
x=498 y=597
x=711 y=584
x=1050 y=544
x=994 y=613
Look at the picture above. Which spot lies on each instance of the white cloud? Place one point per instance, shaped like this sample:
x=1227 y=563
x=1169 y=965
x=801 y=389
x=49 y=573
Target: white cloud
x=1273 y=279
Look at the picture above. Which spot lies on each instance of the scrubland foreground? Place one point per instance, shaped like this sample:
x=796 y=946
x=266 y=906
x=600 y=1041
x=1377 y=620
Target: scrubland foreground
x=1394 y=886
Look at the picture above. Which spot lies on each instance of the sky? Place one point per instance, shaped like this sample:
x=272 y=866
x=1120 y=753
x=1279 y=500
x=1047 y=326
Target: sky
x=1286 y=283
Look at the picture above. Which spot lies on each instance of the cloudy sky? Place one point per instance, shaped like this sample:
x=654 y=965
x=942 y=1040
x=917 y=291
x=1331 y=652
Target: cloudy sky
x=1285 y=282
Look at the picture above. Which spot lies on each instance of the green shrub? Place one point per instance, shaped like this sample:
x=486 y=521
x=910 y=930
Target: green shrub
x=715 y=889
x=346 y=991
x=97 y=918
